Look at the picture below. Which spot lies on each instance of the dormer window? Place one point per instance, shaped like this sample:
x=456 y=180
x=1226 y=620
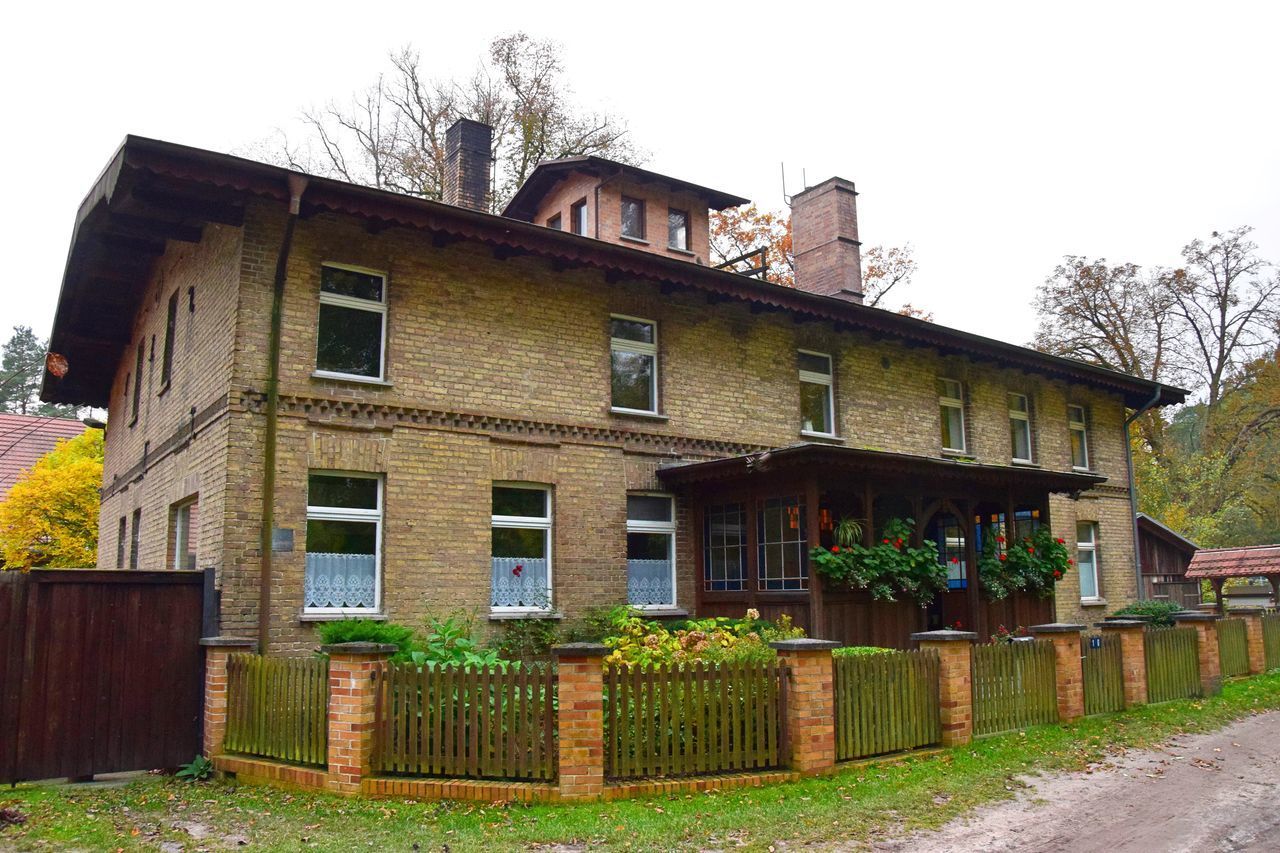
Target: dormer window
x=678 y=229
x=632 y=218
x=578 y=217
x=554 y=223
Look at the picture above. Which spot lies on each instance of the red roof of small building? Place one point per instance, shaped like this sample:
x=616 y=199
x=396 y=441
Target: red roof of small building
x=1247 y=562
x=24 y=439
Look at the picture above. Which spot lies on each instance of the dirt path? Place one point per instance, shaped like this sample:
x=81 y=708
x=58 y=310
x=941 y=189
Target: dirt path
x=1219 y=791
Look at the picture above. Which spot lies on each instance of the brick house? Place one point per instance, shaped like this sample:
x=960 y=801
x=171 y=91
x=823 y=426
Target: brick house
x=525 y=415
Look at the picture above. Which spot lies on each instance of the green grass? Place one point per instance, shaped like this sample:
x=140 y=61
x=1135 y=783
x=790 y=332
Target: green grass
x=854 y=804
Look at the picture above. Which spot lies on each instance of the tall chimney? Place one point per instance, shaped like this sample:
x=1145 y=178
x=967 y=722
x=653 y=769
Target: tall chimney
x=467 y=156
x=824 y=238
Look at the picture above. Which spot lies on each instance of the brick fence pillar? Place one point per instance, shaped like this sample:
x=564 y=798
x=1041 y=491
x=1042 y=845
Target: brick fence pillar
x=1068 y=667
x=352 y=708
x=580 y=687
x=1206 y=625
x=955 y=681
x=217 y=651
x=1133 y=657
x=811 y=703
x=1252 y=617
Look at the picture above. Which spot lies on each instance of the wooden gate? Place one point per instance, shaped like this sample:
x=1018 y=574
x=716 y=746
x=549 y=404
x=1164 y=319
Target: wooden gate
x=100 y=671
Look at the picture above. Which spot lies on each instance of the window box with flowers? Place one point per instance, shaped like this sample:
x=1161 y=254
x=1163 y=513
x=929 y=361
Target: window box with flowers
x=887 y=569
x=1032 y=564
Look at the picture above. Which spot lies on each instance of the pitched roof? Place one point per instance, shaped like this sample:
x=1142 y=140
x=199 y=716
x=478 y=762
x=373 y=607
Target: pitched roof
x=24 y=439
x=1147 y=524
x=1235 y=562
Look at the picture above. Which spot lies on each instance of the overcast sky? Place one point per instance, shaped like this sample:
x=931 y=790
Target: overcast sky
x=994 y=139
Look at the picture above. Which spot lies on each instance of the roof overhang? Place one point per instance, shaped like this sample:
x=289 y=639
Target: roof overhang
x=829 y=461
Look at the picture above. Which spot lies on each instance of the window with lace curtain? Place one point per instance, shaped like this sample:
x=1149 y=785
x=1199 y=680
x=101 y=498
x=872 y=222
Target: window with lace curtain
x=344 y=542
x=651 y=551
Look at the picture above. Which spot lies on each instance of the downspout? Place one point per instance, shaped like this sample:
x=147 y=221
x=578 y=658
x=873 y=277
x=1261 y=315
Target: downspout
x=1133 y=487
x=297 y=185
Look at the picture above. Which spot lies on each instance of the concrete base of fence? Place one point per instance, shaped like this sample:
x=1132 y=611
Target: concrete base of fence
x=1207 y=641
x=955 y=681
x=1068 y=667
x=260 y=771
x=1133 y=657
x=474 y=790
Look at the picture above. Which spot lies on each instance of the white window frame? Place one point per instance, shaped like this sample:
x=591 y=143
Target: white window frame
x=181 y=521
x=369 y=305
x=1024 y=419
x=1092 y=547
x=955 y=403
x=333 y=513
x=667 y=527
x=1081 y=426
x=522 y=522
x=638 y=348
x=819 y=379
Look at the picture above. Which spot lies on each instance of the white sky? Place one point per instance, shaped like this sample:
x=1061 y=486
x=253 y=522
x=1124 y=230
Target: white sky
x=995 y=139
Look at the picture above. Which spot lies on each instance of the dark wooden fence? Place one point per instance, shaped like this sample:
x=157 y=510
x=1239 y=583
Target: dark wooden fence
x=677 y=720
x=1173 y=664
x=1233 y=647
x=278 y=708
x=493 y=722
x=99 y=671
x=1014 y=686
x=1103 y=673
x=1271 y=639
x=886 y=702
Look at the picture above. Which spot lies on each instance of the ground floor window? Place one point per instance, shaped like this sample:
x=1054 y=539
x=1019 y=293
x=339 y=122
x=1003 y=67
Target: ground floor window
x=651 y=551
x=344 y=541
x=724 y=548
x=784 y=548
x=521 y=558
x=948 y=533
x=1087 y=560
x=183 y=525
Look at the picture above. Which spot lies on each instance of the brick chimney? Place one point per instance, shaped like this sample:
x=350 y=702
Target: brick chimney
x=824 y=238
x=467 y=157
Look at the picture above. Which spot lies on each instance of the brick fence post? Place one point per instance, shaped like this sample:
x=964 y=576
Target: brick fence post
x=1068 y=666
x=217 y=652
x=1133 y=657
x=955 y=681
x=352 y=708
x=1252 y=617
x=811 y=703
x=580 y=688
x=1206 y=625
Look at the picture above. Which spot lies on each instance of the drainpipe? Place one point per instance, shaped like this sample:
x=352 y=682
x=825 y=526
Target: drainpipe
x=1133 y=487
x=297 y=185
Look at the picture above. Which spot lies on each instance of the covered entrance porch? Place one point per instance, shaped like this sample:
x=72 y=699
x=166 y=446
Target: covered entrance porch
x=755 y=517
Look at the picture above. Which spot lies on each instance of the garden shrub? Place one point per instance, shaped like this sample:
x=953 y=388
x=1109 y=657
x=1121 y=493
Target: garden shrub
x=592 y=626
x=1158 y=612
x=860 y=651
x=369 y=631
x=527 y=639
x=636 y=640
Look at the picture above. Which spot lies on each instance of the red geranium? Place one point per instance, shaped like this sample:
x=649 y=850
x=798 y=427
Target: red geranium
x=835 y=549
x=1003 y=557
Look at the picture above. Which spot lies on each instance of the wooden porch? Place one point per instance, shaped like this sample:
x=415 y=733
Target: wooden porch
x=755 y=518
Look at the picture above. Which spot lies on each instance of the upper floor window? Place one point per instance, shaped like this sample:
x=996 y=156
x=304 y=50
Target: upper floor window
x=554 y=223
x=1020 y=428
x=578 y=217
x=724 y=548
x=170 y=331
x=183 y=526
x=135 y=540
x=817 y=408
x=122 y=536
x=351 y=334
x=951 y=403
x=344 y=541
x=651 y=551
x=678 y=229
x=137 y=383
x=632 y=218
x=1079 y=437
x=633 y=350
x=1087 y=560
x=521 y=554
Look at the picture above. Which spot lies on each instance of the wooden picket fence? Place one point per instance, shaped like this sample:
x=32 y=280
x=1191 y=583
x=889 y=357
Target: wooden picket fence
x=886 y=702
x=679 y=720
x=1271 y=639
x=1014 y=686
x=1173 y=664
x=278 y=708
x=479 y=722
x=1103 y=673
x=1233 y=647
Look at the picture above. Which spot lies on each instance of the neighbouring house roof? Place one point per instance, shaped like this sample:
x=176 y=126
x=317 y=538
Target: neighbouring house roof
x=808 y=456
x=24 y=439
x=152 y=192
x=1252 y=561
x=1148 y=525
x=524 y=204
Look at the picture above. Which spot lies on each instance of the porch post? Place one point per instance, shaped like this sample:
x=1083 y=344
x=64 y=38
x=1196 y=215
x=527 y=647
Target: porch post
x=580 y=685
x=352 y=711
x=811 y=703
x=813 y=535
x=955 y=681
x=1133 y=657
x=1252 y=617
x=217 y=654
x=1068 y=667
x=1206 y=625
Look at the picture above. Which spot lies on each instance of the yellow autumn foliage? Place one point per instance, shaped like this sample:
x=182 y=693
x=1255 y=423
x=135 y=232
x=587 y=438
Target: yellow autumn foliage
x=50 y=516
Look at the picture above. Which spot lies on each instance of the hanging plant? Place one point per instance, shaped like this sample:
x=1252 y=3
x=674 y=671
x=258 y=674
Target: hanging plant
x=887 y=569
x=1033 y=564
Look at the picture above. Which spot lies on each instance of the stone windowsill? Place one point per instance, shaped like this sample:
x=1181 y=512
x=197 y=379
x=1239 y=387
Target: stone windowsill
x=511 y=615
x=828 y=437
x=372 y=616
x=1093 y=602
x=324 y=376
x=638 y=413
x=638 y=240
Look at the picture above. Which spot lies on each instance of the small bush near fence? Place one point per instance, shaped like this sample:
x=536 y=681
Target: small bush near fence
x=1233 y=647
x=1173 y=664
x=1271 y=639
x=483 y=722
x=1014 y=686
x=681 y=719
x=278 y=708
x=1103 y=673
x=1157 y=612
x=886 y=702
